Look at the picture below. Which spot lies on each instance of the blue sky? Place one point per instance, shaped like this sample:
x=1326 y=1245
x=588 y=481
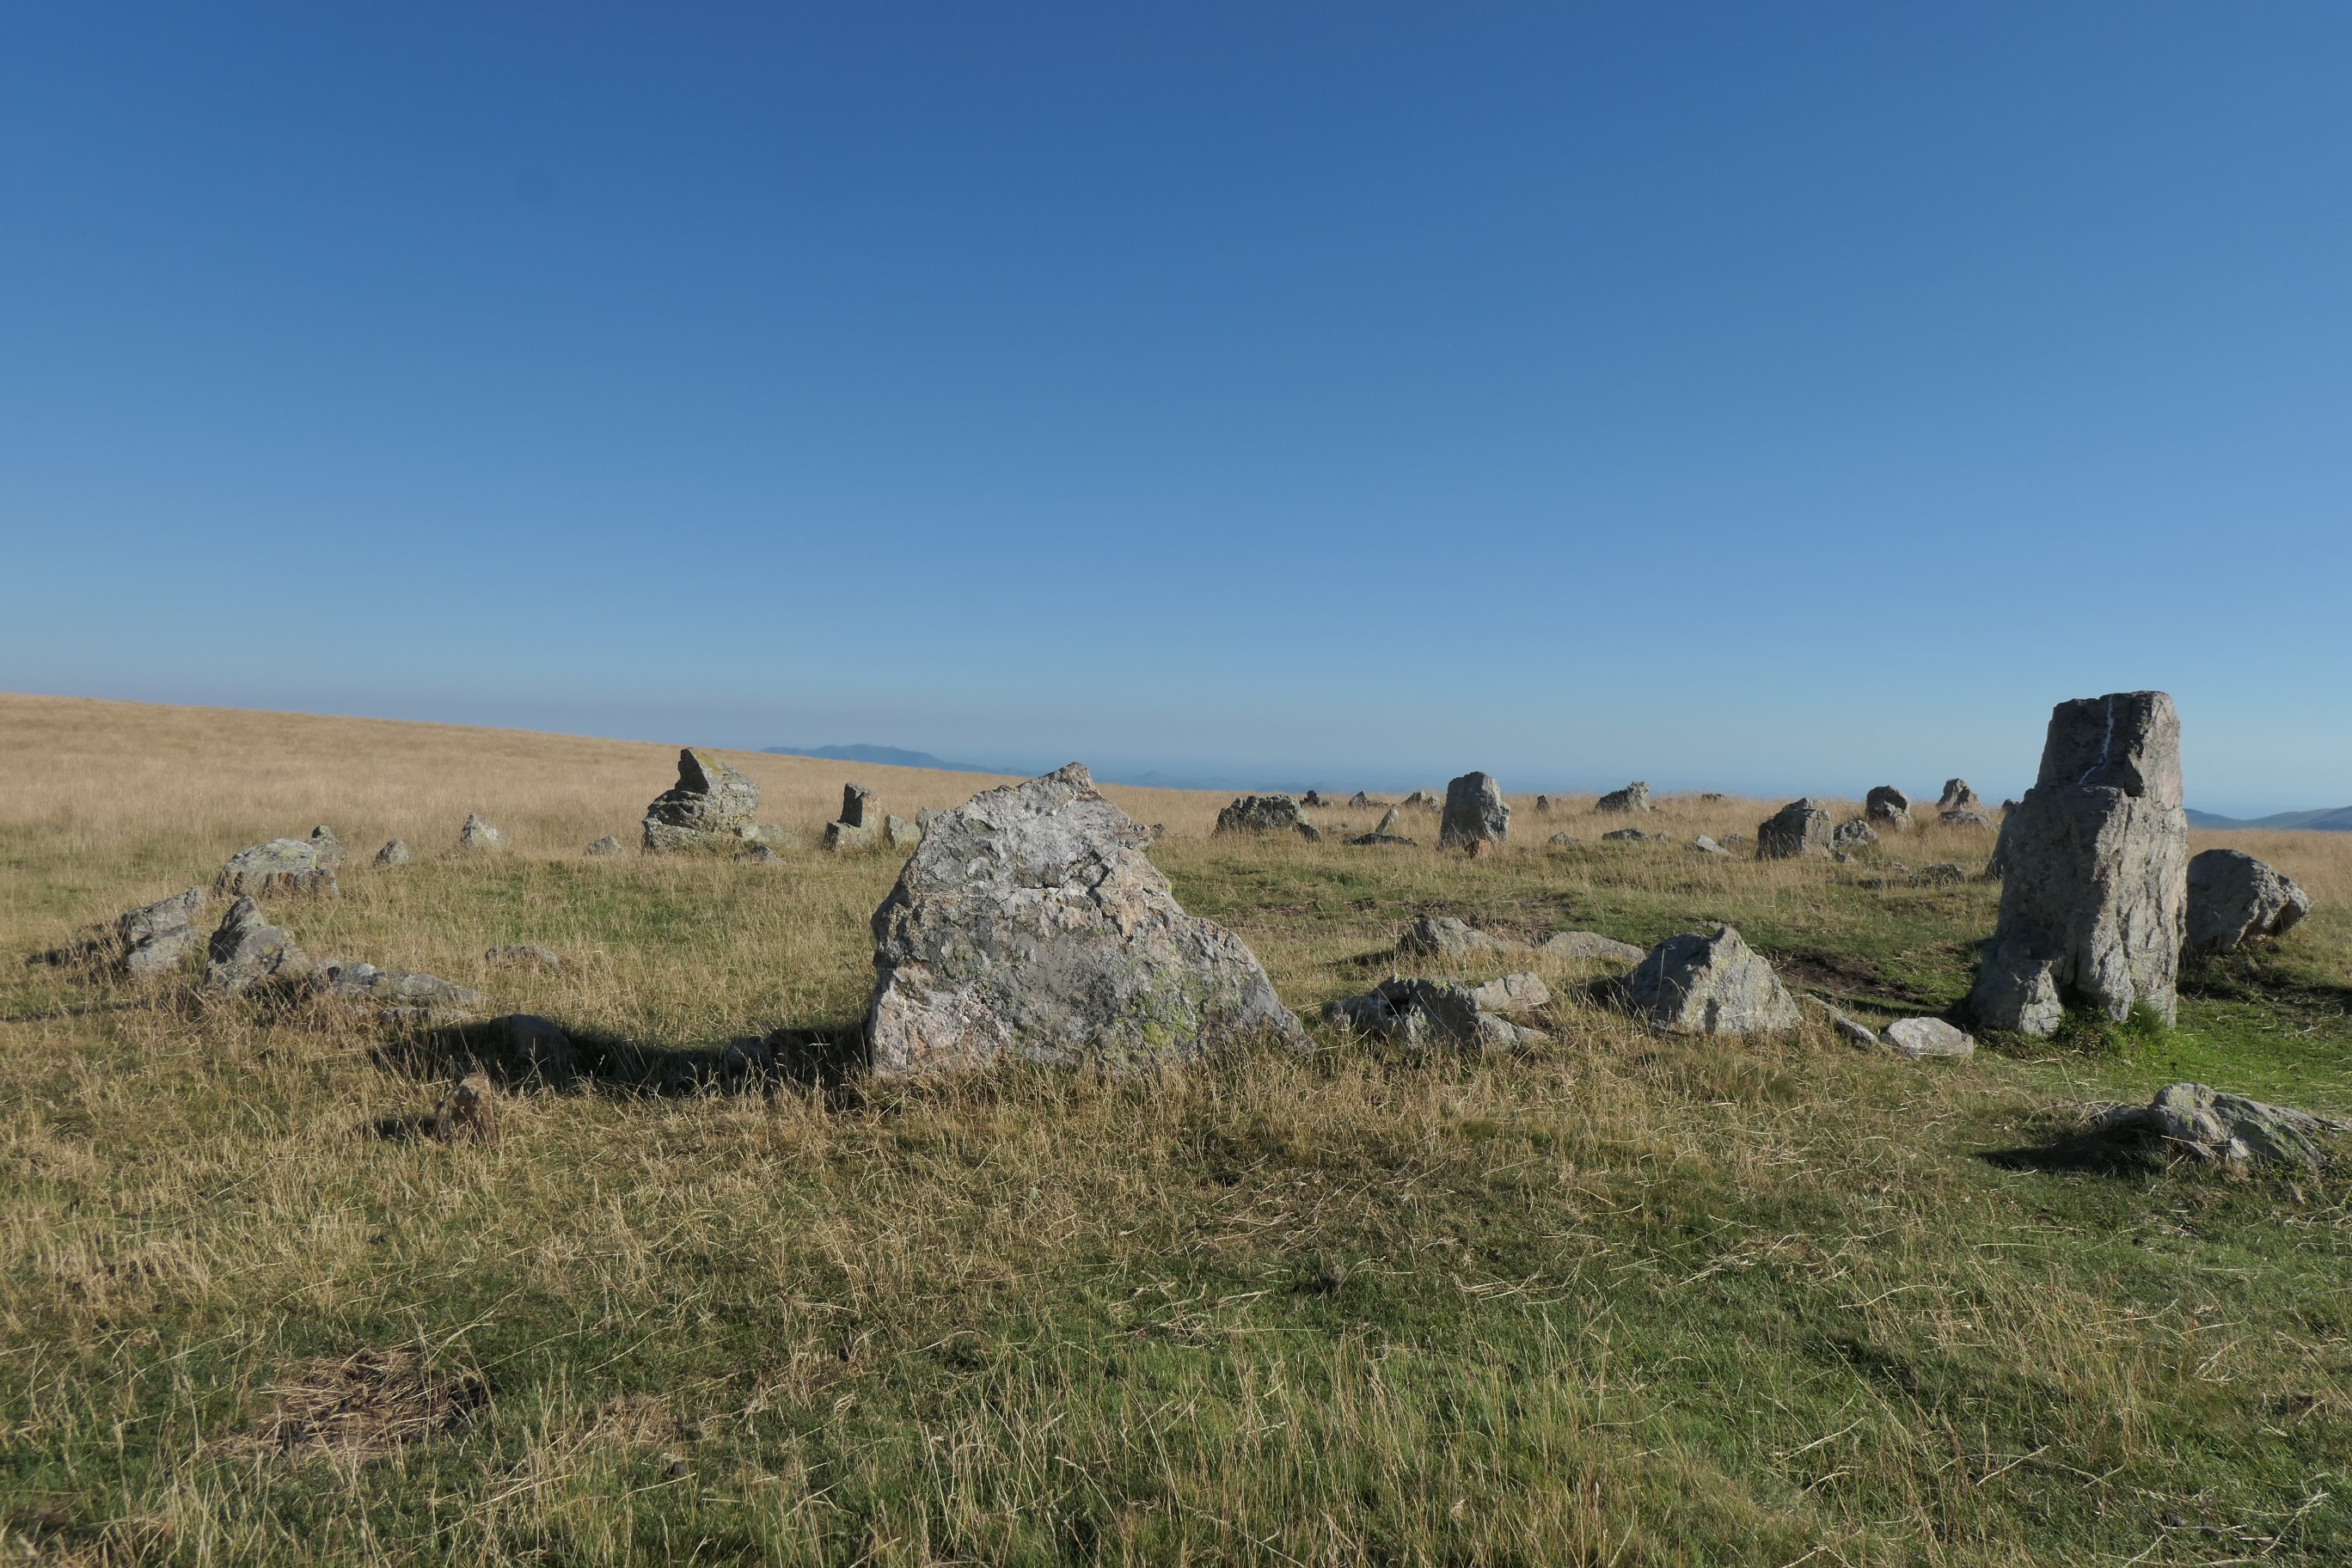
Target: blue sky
x=1775 y=398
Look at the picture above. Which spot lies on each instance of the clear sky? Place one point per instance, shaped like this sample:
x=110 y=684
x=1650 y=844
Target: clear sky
x=1770 y=397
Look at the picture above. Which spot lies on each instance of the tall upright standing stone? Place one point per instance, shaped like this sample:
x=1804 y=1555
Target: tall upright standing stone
x=1476 y=816
x=1797 y=829
x=711 y=802
x=2095 y=864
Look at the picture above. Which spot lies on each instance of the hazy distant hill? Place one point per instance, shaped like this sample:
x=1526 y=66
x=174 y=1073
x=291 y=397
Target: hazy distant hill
x=889 y=756
x=2335 y=820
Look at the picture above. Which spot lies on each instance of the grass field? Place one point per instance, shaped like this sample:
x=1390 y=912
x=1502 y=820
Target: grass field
x=1621 y=1300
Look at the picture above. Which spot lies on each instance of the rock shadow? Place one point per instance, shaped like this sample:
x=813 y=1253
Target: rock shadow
x=538 y=1059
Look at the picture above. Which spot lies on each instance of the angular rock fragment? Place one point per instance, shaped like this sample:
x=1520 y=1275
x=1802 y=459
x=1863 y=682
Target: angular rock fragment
x=1312 y=799
x=1429 y=1014
x=155 y=938
x=711 y=803
x=1477 y=817
x=1264 y=814
x=1424 y=799
x=367 y=985
x=1030 y=924
x=1957 y=793
x=1361 y=801
x=1442 y=936
x=1625 y=836
x=2094 y=890
x=854 y=828
x=246 y=952
x=1693 y=984
x=1703 y=845
x=605 y=846
x=1918 y=1037
x=1635 y=796
x=1961 y=816
x=1521 y=993
x=900 y=833
x=1585 y=946
x=1798 y=829
x=1888 y=806
x=2233 y=897
x=477 y=835
x=327 y=847
x=1852 y=835
x=280 y=866
x=1543 y=803
x=394 y=853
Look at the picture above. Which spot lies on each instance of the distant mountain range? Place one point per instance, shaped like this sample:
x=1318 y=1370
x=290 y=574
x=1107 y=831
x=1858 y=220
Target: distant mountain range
x=2338 y=820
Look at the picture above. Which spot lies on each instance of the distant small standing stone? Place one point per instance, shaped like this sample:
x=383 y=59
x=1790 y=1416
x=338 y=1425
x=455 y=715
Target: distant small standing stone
x=608 y=844
x=711 y=804
x=394 y=853
x=478 y=835
x=1264 y=814
x=900 y=833
x=1957 y=793
x=1476 y=816
x=1799 y=829
x=1635 y=796
x=1442 y=936
x=1888 y=807
x=853 y=829
x=1852 y=835
x=246 y=951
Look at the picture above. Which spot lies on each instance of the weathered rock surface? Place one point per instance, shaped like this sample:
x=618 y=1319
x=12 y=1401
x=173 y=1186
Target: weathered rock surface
x=1917 y=1038
x=711 y=803
x=1264 y=814
x=608 y=844
x=2202 y=1123
x=1442 y=936
x=2095 y=891
x=1431 y=1014
x=1703 y=845
x=2233 y=897
x=1031 y=924
x=1853 y=1033
x=1693 y=984
x=1625 y=836
x=329 y=848
x=1476 y=817
x=1560 y=840
x=1799 y=829
x=1888 y=806
x=1387 y=821
x=394 y=853
x=900 y=833
x=366 y=984
x=1360 y=799
x=155 y=938
x=1424 y=799
x=1523 y=992
x=856 y=827
x=1852 y=835
x=1635 y=796
x=476 y=834
x=1957 y=793
x=246 y=952
x=1961 y=816
x=280 y=866
x=1584 y=945
x=1312 y=799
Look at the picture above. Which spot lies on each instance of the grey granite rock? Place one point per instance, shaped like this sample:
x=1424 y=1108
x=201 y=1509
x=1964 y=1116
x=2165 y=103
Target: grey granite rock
x=394 y=853
x=1852 y=835
x=1264 y=814
x=366 y=984
x=1888 y=807
x=1031 y=924
x=280 y=866
x=1442 y=936
x=246 y=952
x=1957 y=793
x=1476 y=816
x=606 y=845
x=476 y=835
x=1717 y=985
x=2233 y=897
x=1635 y=796
x=1703 y=845
x=900 y=833
x=1429 y=1015
x=1580 y=946
x=1917 y=1038
x=1798 y=829
x=1962 y=816
x=156 y=938
x=327 y=848
x=2095 y=891
x=2202 y=1123
x=712 y=804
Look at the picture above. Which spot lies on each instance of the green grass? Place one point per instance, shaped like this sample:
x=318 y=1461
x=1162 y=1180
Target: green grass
x=1624 y=1299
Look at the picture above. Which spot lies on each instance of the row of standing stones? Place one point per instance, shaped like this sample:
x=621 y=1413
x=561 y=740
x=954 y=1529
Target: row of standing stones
x=1029 y=924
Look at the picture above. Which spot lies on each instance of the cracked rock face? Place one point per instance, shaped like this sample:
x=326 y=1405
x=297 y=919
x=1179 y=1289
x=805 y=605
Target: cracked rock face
x=1693 y=984
x=2203 y=1123
x=2094 y=866
x=1475 y=813
x=710 y=803
x=280 y=866
x=1264 y=814
x=2232 y=896
x=1030 y=923
x=155 y=937
x=1429 y=1012
x=1888 y=807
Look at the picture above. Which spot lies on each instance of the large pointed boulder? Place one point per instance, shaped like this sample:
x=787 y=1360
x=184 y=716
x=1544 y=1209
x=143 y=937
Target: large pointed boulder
x=2094 y=867
x=2232 y=896
x=1695 y=985
x=1030 y=923
x=711 y=804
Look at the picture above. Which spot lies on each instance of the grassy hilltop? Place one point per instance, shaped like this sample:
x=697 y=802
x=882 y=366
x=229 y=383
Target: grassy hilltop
x=1621 y=1300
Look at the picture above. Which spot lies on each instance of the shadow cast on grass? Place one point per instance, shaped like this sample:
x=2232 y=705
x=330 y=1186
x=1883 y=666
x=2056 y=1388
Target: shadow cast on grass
x=826 y=1059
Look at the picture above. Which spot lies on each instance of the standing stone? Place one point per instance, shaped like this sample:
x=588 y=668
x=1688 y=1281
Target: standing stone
x=1635 y=796
x=1799 y=829
x=155 y=937
x=1264 y=814
x=711 y=803
x=1360 y=799
x=2096 y=860
x=247 y=950
x=900 y=833
x=1888 y=806
x=1957 y=793
x=1543 y=803
x=280 y=866
x=477 y=836
x=1312 y=799
x=604 y=846
x=394 y=853
x=1692 y=984
x=1476 y=816
x=2232 y=896
x=1388 y=822
x=854 y=828
x=327 y=847
x=1031 y=924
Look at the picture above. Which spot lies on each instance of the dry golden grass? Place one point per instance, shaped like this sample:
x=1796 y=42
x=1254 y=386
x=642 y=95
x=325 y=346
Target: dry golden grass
x=1623 y=1300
